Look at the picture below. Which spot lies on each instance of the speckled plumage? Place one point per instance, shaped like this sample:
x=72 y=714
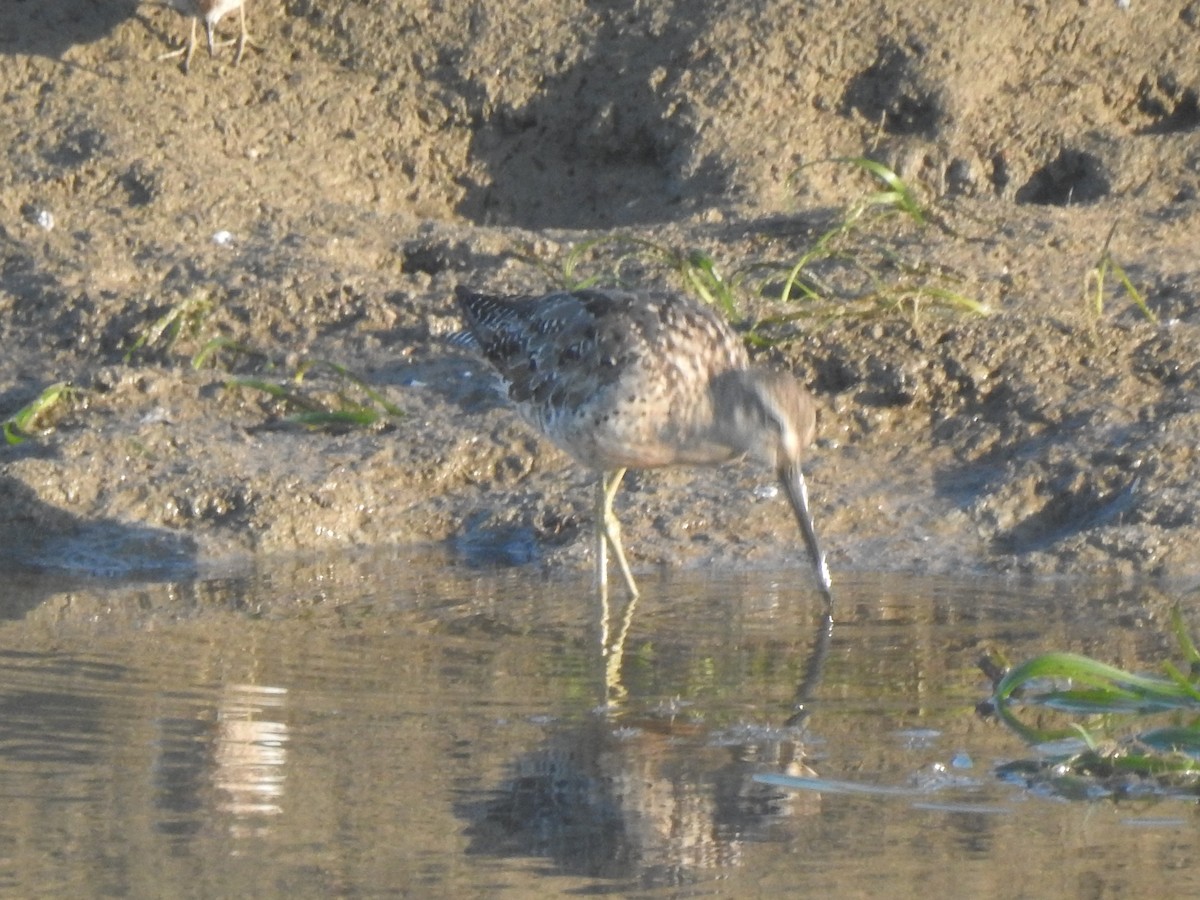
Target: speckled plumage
x=621 y=380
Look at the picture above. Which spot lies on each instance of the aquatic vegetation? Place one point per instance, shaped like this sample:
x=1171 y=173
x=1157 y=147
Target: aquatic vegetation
x=1100 y=730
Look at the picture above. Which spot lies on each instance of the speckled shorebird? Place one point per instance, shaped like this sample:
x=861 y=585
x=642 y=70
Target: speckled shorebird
x=211 y=11
x=621 y=380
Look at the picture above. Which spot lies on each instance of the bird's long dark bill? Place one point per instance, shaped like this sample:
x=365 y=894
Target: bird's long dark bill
x=797 y=492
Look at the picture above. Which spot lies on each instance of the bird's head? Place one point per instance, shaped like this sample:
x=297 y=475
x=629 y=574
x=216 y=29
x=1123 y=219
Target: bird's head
x=768 y=415
x=771 y=417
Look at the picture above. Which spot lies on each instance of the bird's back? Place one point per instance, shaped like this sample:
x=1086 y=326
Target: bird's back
x=614 y=378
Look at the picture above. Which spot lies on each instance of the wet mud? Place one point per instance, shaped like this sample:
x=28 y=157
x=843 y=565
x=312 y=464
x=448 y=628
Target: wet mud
x=170 y=242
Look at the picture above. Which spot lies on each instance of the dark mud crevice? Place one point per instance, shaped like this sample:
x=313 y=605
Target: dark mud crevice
x=891 y=91
x=598 y=144
x=1074 y=176
x=1172 y=107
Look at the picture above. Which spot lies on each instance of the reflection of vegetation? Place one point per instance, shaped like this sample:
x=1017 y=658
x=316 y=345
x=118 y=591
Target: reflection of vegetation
x=1101 y=703
x=31 y=419
x=847 y=270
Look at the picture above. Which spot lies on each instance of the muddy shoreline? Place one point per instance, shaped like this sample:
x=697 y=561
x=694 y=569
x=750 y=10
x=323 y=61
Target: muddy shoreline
x=318 y=203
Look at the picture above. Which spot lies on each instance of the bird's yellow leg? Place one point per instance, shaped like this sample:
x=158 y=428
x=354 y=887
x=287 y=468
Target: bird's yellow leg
x=608 y=534
x=612 y=528
x=601 y=540
x=601 y=561
x=191 y=48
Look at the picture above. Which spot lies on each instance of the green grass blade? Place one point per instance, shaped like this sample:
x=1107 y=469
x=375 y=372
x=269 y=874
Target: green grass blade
x=1097 y=689
x=188 y=313
x=23 y=424
x=1098 y=274
x=1181 y=681
x=898 y=194
x=1134 y=294
x=362 y=384
x=955 y=300
x=216 y=345
x=700 y=270
x=358 y=417
x=1083 y=669
x=346 y=413
x=277 y=391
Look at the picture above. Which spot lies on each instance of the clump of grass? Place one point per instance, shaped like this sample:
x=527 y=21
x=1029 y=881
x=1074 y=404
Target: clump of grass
x=216 y=348
x=351 y=403
x=185 y=318
x=1109 y=739
x=1097 y=276
x=611 y=256
x=32 y=418
x=893 y=285
x=896 y=196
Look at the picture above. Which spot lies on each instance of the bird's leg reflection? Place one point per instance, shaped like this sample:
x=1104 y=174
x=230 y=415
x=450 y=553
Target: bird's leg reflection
x=615 y=654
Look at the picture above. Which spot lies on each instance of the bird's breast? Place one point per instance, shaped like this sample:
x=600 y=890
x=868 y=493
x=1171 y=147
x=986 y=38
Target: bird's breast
x=622 y=428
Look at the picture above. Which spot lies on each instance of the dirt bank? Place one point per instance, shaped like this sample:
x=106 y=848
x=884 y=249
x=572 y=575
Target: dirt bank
x=321 y=200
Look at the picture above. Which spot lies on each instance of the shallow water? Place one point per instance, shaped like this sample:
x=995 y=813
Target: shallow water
x=398 y=725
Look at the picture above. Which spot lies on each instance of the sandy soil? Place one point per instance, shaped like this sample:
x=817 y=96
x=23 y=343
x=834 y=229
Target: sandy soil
x=321 y=200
